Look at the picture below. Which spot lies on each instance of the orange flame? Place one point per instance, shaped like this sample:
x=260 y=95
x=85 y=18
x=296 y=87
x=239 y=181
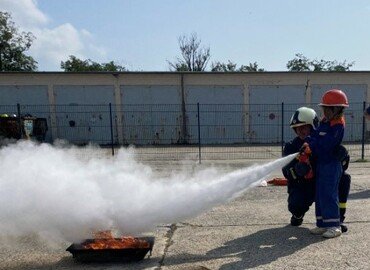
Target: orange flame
x=105 y=240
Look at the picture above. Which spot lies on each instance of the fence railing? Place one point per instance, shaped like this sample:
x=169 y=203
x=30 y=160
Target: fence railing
x=196 y=131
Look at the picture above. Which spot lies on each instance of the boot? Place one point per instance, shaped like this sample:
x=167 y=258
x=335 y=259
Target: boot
x=332 y=232
x=343 y=228
x=318 y=231
x=296 y=221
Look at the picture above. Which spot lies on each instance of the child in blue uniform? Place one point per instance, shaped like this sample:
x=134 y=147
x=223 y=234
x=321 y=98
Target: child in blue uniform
x=323 y=142
x=301 y=190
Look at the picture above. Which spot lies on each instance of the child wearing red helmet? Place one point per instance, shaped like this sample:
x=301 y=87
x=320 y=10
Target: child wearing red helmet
x=323 y=143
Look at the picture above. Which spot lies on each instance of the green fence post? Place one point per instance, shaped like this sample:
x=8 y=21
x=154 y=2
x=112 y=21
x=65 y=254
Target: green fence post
x=282 y=128
x=19 y=121
x=199 y=144
x=363 y=132
x=111 y=128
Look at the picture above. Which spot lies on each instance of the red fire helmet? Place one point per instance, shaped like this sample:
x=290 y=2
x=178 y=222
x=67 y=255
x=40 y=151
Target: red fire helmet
x=334 y=97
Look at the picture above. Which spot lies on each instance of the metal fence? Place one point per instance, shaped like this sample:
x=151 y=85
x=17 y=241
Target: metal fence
x=186 y=131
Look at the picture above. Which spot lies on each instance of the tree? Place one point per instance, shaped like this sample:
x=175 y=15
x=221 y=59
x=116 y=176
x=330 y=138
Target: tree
x=299 y=63
x=324 y=65
x=222 y=67
x=252 y=67
x=13 y=46
x=194 y=57
x=73 y=64
x=232 y=67
x=302 y=63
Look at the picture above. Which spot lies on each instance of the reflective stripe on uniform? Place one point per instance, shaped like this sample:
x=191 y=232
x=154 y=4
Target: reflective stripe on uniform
x=331 y=220
x=293 y=173
x=318 y=217
x=342 y=205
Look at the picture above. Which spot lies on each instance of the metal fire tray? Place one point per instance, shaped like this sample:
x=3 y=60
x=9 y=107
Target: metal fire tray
x=84 y=255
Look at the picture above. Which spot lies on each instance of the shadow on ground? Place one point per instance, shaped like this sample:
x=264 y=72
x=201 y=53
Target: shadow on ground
x=260 y=248
x=359 y=195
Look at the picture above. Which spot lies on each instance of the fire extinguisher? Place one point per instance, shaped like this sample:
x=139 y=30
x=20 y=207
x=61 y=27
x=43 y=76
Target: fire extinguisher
x=303 y=167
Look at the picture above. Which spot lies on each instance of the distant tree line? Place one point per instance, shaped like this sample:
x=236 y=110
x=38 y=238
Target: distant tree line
x=74 y=64
x=302 y=63
x=194 y=57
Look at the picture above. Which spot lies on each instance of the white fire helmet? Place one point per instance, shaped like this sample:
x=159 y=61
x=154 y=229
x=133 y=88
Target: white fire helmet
x=304 y=116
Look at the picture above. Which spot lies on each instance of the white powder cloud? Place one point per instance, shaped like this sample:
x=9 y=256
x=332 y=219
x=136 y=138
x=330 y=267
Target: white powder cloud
x=53 y=190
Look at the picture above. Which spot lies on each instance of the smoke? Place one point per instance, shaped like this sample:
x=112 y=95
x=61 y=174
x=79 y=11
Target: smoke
x=56 y=191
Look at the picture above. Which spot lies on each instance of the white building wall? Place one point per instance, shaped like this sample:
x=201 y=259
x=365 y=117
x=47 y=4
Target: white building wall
x=244 y=92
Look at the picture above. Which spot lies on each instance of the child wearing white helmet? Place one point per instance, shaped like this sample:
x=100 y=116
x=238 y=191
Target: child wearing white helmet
x=301 y=186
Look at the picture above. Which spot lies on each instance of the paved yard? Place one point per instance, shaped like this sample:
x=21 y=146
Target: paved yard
x=251 y=232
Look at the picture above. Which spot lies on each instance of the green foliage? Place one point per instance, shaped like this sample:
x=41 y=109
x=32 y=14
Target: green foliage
x=302 y=63
x=13 y=46
x=232 y=67
x=252 y=67
x=194 y=57
x=73 y=64
x=299 y=63
x=222 y=67
x=179 y=66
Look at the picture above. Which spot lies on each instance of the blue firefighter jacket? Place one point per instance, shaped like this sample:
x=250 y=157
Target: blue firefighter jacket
x=301 y=191
x=326 y=138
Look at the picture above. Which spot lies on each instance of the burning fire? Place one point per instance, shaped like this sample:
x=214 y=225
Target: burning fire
x=105 y=240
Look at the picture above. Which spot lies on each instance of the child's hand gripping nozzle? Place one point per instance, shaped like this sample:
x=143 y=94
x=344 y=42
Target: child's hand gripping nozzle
x=303 y=167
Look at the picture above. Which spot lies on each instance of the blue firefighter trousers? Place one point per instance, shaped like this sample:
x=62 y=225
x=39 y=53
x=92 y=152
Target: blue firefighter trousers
x=327 y=181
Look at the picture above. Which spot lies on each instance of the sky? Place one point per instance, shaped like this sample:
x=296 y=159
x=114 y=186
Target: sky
x=142 y=35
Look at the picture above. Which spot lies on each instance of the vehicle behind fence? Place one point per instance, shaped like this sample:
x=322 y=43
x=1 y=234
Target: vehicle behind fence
x=184 y=132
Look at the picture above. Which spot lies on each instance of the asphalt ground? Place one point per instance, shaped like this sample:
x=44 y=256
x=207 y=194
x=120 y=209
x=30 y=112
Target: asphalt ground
x=250 y=232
